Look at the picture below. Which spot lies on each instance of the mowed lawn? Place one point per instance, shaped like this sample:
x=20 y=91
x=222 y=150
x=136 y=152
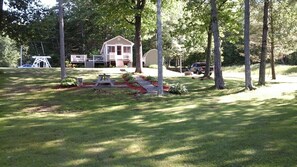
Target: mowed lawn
x=44 y=126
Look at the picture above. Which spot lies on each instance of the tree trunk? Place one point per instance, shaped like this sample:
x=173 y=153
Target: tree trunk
x=248 y=78
x=62 y=43
x=219 y=81
x=208 y=51
x=159 y=46
x=1 y=16
x=272 y=63
x=264 y=45
x=138 y=44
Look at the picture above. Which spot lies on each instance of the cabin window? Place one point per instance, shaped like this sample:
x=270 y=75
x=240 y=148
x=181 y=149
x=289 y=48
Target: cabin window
x=111 y=49
x=119 y=50
x=127 y=49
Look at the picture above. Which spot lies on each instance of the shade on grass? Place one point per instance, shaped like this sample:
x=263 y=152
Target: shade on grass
x=42 y=126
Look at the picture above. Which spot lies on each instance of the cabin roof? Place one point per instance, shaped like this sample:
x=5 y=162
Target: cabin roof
x=116 y=40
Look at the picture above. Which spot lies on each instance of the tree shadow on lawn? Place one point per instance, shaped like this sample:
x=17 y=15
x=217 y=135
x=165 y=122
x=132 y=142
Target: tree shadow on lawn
x=89 y=129
x=156 y=133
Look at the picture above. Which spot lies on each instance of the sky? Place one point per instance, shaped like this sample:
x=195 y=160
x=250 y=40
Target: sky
x=49 y=3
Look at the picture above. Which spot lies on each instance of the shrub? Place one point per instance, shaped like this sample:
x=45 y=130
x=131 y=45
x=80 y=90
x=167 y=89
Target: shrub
x=69 y=82
x=133 y=92
x=166 y=83
x=150 y=78
x=178 y=89
x=127 y=75
x=135 y=84
x=130 y=79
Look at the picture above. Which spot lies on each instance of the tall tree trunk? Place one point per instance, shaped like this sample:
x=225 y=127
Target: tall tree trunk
x=62 y=43
x=272 y=63
x=219 y=81
x=1 y=16
x=248 y=78
x=159 y=46
x=264 y=45
x=138 y=44
x=208 y=51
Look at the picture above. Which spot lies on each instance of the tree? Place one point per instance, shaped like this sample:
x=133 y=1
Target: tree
x=264 y=45
x=248 y=78
x=272 y=41
x=9 y=54
x=19 y=14
x=62 y=44
x=208 y=51
x=139 y=7
x=219 y=81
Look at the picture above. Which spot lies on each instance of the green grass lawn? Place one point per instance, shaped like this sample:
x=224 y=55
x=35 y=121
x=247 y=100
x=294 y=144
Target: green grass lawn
x=43 y=126
x=279 y=68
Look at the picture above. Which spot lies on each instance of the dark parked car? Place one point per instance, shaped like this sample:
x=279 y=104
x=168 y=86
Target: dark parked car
x=199 y=68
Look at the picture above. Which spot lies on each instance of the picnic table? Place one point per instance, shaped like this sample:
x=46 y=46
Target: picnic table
x=103 y=79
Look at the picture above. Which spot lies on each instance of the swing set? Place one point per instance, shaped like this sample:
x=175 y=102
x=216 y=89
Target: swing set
x=40 y=61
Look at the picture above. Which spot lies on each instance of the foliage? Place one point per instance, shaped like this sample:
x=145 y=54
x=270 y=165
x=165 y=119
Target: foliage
x=125 y=75
x=16 y=19
x=69 y=82
x=231 y=54
x=194 y=57
x=178 y=88
x=165 y=83
x=128 y=77
x=291 y=59
x=151 y=78
x=9 y=54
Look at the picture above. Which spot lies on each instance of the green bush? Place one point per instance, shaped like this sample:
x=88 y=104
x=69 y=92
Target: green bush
x=127 y=75
x=178 y=89
x=166 y=83
x=69 y=82
x=150 y=78
x=9 y=53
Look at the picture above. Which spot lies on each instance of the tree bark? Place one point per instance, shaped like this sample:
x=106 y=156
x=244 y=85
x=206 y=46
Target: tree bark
x=138 y=41
x=219 y=81
x=62 y=42
x=272 y=63
x=1 y=17
x=160 y=50
x=208 y=51
x=264 y=45
x=248 y=78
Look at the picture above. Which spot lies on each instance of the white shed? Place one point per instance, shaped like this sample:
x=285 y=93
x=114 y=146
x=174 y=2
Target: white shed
x=150 y=57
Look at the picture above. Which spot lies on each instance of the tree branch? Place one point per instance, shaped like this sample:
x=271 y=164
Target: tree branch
x=129 y=21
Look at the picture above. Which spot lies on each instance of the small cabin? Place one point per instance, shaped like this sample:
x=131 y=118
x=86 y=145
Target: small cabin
x=117 y=52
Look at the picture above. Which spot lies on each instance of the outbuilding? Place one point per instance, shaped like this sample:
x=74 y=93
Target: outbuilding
x=117 y=52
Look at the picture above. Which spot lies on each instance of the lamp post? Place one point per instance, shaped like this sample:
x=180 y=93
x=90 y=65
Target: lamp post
x=62 y=42
x=159 y=47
